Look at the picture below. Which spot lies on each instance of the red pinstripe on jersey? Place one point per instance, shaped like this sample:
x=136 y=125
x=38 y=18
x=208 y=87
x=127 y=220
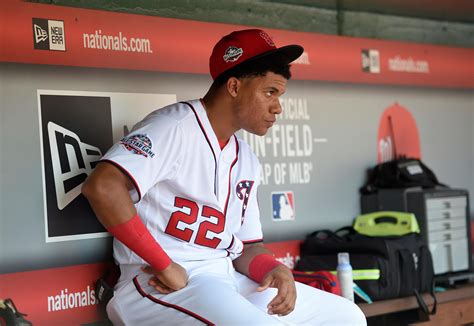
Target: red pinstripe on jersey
x=207 y=139
x=230 y=173
x=169 y=305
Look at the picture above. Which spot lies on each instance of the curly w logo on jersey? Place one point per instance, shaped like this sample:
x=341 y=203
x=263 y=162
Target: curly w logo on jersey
x=283 y=206
x=243 y=193
x=138 y=144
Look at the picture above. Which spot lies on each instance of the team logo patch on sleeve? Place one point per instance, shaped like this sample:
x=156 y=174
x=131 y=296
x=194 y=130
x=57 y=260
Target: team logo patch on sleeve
x=138 y=144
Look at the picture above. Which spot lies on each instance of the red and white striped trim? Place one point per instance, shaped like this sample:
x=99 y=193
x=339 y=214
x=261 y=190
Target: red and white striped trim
x=252 y=241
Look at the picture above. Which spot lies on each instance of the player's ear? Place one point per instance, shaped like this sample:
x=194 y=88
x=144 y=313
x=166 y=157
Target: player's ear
x=233 y=86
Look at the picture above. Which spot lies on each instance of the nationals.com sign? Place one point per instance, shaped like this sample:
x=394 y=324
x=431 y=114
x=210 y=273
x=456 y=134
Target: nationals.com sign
x=92 y=38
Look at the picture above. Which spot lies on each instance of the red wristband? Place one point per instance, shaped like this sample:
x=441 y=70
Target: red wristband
x=261 y=265
x=136 y=236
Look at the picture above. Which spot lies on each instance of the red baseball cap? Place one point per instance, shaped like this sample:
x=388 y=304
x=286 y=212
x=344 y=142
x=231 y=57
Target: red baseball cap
x=249 y=44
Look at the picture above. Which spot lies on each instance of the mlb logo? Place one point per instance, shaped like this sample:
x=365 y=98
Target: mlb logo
x=283 y=206
x=49 y=34
x=370 y=61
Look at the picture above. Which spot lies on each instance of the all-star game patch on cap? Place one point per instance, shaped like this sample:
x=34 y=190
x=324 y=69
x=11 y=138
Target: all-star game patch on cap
x=245 y=45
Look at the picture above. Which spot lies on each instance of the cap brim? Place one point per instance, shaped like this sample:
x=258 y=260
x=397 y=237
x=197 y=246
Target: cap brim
x=286 y=54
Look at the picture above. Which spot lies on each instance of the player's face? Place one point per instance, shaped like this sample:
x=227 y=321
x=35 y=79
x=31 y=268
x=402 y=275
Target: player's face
x=258 y=102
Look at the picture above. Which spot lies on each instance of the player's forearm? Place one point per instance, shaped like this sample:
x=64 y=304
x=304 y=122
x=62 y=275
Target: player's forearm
x=107 y=192
x=106 y=189
x=242 y=263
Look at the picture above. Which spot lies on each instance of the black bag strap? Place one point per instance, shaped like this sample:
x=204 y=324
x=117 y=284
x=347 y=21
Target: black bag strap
x=424 y=311
x=340 y=233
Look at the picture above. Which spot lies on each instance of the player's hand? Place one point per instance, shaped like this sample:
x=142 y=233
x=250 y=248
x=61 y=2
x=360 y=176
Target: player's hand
x=171 y=279
x=281 y=278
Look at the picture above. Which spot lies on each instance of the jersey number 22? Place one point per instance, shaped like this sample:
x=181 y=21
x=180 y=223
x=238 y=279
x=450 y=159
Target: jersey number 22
x=191 y=218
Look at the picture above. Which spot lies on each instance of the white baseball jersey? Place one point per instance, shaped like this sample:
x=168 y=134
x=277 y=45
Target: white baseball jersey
x=198 y=201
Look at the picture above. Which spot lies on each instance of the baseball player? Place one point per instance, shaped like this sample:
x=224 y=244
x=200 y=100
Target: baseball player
x=179 y=195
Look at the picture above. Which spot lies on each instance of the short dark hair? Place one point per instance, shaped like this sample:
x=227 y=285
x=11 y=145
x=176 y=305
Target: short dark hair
x=253 y=68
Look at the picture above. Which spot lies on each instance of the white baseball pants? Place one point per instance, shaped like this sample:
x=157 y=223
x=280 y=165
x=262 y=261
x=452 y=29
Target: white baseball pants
x=218 y=295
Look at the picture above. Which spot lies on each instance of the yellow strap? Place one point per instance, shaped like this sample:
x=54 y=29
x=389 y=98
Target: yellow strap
x=363 y=274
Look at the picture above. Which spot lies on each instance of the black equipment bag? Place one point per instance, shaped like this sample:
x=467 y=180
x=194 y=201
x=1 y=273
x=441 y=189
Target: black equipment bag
x=400 y=173
x=404 y=262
